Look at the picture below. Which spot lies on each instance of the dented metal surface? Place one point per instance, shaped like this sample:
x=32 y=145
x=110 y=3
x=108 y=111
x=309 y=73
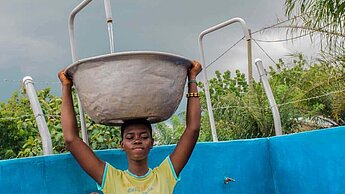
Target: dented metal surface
x=121 y=86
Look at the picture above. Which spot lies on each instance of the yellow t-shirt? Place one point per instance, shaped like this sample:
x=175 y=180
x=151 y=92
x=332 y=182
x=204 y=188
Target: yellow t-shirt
x=160 y=180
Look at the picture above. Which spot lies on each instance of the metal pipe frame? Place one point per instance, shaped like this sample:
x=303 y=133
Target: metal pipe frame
x=207 y=92
x=74 y=59
x=74 y=12
x=269 y=94
x=40 y=120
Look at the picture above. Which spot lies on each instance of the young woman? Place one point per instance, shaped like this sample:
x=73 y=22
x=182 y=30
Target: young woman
x=136 y=142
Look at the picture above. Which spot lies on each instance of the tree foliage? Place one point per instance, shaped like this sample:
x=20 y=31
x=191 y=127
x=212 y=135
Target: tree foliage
x=19 y=135
x=309 y=96
x=326 y=19
x=322 y=17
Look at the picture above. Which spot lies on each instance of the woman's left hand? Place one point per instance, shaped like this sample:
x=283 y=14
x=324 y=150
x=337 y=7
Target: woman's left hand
x=194 y=70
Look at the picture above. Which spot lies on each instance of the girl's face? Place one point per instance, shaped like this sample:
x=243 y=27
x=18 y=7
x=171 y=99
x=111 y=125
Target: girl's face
x=137 y=142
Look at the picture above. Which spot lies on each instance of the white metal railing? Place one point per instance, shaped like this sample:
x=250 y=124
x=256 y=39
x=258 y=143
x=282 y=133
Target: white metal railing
x=109 y=20
x=207 y=91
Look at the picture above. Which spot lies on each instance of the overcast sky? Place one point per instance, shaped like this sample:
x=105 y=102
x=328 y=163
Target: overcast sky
x=34 y=34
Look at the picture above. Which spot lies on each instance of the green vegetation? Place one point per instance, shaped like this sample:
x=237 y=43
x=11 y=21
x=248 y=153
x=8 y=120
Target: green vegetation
x=309 y=95
x=318 y=17
x=323 y=21
x=19 y=136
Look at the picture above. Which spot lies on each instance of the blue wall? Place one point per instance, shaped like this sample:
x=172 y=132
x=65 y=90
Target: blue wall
x=310 y=162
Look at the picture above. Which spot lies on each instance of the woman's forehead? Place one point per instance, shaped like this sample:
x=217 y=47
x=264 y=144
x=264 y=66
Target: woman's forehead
x=137 y=128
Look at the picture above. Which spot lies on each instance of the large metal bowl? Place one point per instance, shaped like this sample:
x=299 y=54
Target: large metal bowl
x=128 y=85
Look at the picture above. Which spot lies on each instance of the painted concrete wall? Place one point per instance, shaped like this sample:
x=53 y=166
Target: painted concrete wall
x=311 y=162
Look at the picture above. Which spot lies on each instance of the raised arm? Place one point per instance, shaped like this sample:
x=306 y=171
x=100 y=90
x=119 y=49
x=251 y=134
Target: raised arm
x=185 y=146
x=81 y=152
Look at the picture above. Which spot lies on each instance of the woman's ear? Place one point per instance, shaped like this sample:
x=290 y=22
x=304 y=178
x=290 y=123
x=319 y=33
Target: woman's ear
x=152 y=142
x=121 y=145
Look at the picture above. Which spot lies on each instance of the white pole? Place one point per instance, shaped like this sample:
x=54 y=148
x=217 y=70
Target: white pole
x=74 y=59
x=40 y=120
x=269 y=94
x=207 y=92
x=108 y=14
x=109 y=20
x=71 y=27
x=208 y=97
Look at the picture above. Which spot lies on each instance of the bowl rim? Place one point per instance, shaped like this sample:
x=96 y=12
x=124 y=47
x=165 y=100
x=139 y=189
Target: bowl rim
x=69 y=72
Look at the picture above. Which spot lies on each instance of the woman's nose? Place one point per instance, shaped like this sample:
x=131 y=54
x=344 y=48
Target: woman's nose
x=137 y=140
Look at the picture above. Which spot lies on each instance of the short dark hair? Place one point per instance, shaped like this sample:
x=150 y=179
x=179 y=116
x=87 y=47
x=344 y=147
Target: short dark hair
x=142 y=121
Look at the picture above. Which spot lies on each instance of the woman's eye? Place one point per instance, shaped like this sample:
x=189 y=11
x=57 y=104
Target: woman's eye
x=144 y=136
x=129 y=137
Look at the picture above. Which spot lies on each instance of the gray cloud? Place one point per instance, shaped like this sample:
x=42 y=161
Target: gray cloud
x=34 y=34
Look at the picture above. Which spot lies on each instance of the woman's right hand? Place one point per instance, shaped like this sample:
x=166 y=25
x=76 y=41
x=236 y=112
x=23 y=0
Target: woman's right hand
x=64 y=79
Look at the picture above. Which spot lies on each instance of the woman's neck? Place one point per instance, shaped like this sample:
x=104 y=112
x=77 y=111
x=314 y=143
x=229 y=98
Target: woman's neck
x=138 y=168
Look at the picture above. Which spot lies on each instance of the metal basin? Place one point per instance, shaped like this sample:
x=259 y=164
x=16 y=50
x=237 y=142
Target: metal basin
x=128 y=85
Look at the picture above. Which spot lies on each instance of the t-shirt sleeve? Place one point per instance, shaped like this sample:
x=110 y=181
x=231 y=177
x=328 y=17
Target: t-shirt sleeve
x=177 y=178
x=108 y=178
x=100 y=187
x=167 y=170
